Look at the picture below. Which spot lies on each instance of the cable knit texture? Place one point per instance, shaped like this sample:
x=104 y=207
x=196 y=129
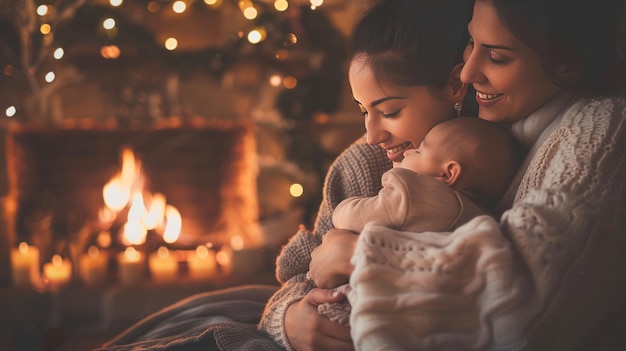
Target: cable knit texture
x=356 y=172
x=541 y=279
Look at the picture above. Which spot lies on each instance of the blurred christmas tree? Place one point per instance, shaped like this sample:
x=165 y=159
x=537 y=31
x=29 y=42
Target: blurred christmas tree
x=280 y=63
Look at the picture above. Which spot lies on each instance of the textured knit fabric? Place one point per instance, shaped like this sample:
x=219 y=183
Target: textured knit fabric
x=356 y=172
x=408 y=201
x=541 y=279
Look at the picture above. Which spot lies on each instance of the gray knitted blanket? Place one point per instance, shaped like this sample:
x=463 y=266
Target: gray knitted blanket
x=217 y=320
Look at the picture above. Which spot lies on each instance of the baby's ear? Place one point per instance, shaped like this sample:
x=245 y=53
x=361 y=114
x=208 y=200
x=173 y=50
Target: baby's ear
x=451 y=172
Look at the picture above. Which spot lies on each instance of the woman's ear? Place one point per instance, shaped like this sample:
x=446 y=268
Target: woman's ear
x=456 y=88
x=566 y=74
x=451 y=173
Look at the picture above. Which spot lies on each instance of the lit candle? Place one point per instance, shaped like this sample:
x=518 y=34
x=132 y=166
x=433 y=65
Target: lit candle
x=131 y=265
x=93 y=266
x=25 y=264
x=202 y=264
x=163 y=266
x=59 y=271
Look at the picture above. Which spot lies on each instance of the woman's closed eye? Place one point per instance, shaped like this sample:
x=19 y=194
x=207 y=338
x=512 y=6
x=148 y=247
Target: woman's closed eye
x=392 y=114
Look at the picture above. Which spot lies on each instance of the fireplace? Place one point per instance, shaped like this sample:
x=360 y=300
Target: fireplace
x=52 y=180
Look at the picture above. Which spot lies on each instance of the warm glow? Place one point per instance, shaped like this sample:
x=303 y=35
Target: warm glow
x=110 y=51
x=93 y=251
x=115 y=3
x=137 y=210
x=290 y=82
x=50 y=76
x=236 y=242
x=250 y=13
x=171 y=44
x=292 y=38
x=117 y=191
x=58 y=53
x=202 y=252
x=10 y=111
x=108 y=23
x=134 y=233
x=276 y=80
x=23 y=247
x=223 y=258
x=210 y=2
x=281 y=5
x=163 y=252
x=131 y=254
x=255 y=36
x=173 y=224
x=153 y=6
x=42 y=10
x=154 y=216
x=57 y=261
x=45 y=28
x=179 y=6
x=317 y=3
x=296 y=190
x=104 y=238
x=116 y=194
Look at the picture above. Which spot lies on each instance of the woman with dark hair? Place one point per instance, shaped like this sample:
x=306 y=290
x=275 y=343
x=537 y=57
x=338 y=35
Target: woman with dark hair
x=548 y=275
x=409 y=53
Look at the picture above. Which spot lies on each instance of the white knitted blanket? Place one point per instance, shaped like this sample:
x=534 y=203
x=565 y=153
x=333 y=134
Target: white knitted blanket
x=396 y=297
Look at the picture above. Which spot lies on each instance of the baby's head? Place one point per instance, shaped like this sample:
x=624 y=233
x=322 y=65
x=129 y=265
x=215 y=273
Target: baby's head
x=473 y=156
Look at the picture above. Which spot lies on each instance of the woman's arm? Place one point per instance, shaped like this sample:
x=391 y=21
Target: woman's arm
x=356 y=172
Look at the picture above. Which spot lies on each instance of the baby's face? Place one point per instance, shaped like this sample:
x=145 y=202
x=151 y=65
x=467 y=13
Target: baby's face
x=425 y=159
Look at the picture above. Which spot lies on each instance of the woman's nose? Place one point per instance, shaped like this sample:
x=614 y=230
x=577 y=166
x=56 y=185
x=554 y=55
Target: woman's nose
x=470 y=73
x=375 y=134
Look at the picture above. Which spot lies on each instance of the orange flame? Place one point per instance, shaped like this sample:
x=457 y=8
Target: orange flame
x=126 y=189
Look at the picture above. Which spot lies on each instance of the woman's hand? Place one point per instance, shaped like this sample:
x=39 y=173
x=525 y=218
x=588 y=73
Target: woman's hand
x=307 y=330
x=330 y=262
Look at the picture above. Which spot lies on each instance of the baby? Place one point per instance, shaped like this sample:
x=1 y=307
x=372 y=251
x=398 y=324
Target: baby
x=460 y=170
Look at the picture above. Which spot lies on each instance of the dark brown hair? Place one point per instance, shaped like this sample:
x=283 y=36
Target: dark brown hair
x=413 y=42
x=577 y=34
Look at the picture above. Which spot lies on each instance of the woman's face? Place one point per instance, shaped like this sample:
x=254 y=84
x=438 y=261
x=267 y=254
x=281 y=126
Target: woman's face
x=507 y=74
x=397 y=118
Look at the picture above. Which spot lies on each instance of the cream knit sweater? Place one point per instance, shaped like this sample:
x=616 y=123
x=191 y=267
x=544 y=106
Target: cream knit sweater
x=540 y=279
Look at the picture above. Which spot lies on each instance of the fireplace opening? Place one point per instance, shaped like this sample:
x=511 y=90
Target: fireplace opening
x=203 y=179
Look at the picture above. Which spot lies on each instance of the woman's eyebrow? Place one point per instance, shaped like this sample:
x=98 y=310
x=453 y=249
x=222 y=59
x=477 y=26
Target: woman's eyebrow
x=501 y=47
x=386 y=98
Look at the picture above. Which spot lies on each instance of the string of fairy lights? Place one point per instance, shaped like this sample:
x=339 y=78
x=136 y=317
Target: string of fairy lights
x=48 y=15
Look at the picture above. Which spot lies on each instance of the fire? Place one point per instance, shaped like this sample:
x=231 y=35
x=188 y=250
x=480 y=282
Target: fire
x=146 y=211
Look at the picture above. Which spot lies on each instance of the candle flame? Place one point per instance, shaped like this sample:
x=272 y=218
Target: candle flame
x=236 y=242
x=23 y=248
x=93 y=251
x=202 y=252
x=163 y=252
x=57 y=261
x=131 y=254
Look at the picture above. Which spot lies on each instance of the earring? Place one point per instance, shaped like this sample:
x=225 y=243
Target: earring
x=458 y=106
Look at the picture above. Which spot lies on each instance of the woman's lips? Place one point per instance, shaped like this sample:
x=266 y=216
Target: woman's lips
x=396 y=153
x=486 y=100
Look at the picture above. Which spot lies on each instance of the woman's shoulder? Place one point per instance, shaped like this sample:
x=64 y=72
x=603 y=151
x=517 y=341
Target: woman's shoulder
x=609 y=105
x=360 y=154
